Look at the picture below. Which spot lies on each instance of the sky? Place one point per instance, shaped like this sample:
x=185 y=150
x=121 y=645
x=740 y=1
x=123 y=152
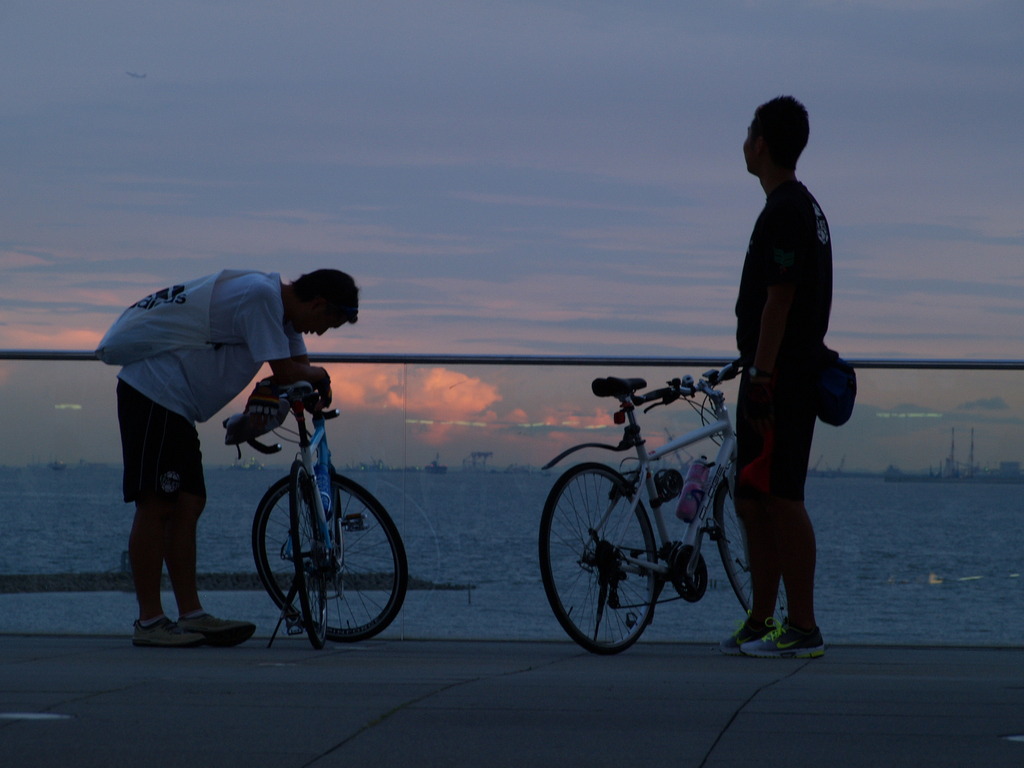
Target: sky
x=539 y=178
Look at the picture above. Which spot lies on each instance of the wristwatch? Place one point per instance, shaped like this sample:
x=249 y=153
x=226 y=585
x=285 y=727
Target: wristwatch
x=754 y=372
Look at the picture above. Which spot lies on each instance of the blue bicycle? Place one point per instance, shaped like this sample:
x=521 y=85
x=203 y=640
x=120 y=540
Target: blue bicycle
x=334 y=547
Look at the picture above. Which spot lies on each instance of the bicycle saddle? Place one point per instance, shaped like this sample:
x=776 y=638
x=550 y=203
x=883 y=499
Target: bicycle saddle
x=613 y=386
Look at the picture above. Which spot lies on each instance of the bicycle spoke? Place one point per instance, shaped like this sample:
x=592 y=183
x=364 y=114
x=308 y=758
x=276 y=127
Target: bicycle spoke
x=365 y=580
x=602 y=602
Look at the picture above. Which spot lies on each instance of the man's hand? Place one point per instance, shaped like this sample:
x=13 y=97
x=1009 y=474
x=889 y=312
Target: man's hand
x=262 y=405
x=324 y=388
x=758 y=406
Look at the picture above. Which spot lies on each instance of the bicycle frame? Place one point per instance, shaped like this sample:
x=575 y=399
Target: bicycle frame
x=308 y=445
x=722 y=428
x=646 y=490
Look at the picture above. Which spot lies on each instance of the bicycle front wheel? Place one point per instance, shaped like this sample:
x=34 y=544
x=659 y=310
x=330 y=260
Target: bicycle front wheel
x=309 y=554
x=368 y=574
x=593 y=546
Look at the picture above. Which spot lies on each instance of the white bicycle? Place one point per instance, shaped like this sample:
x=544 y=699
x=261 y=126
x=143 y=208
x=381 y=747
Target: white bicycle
x=605 y=550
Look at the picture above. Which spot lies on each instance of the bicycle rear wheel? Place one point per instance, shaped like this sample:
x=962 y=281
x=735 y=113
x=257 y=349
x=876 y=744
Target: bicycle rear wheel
x=308 y=551
x=590 y=542
x=367 y=578
x=732 y=547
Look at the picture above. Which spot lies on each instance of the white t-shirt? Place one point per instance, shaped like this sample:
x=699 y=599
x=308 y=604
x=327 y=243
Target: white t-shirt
x=248 y=328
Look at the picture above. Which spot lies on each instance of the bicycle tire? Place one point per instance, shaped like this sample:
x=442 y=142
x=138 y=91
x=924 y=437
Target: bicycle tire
x=308 y=552
x=602 y=603
x=367 y=592
x=732 y=544
x=732 y=547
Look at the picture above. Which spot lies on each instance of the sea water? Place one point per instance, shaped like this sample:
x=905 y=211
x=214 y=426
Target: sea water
x=898 y=563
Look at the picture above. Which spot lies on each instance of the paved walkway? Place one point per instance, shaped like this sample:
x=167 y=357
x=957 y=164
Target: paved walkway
x=97 y=701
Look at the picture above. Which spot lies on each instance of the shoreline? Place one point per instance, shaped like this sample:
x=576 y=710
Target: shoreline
x=118 y=581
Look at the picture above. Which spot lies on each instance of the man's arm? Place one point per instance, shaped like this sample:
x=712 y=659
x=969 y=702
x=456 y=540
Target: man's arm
x=773 y=324
x=759 y=409
x=288 y=370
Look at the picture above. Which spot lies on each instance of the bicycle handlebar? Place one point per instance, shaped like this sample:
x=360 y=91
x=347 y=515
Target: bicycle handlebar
x=263 y=447
x=626 y=389
x=299 y=393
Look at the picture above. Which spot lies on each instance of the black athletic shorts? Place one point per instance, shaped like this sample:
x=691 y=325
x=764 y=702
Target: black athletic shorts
x=160 y=448
x=785 y=470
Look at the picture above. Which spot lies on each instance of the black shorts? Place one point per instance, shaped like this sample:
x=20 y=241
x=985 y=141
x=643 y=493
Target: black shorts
x=160 y=448
x=795 y=403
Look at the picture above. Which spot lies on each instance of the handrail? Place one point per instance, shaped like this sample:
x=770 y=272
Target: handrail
x=559 y=360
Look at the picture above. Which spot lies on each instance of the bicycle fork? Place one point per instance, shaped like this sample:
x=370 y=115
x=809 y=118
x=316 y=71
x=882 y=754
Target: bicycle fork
x=319 y=558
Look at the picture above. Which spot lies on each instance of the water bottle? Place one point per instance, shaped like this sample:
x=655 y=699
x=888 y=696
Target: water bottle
x=323 y=483
x=693 y=490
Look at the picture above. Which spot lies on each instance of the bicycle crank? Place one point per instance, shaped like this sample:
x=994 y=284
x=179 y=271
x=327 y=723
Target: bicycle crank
x=609 y=574
x=690 y=588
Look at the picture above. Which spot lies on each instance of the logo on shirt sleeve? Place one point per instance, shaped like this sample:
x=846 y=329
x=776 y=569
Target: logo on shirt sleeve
x=822 y=225
x=785 y=259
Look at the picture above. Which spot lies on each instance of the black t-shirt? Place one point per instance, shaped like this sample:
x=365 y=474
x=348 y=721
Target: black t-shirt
x=790 y=244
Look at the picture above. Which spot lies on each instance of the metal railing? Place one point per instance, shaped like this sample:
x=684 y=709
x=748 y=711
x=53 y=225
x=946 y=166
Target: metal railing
x=563 y=360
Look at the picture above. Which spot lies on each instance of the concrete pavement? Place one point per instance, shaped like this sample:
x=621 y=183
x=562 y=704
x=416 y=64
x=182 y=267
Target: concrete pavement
x=97 y=701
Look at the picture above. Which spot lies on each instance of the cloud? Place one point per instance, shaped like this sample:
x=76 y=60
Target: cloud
x=515 y=177
x=441 y=406
x=985 y=404
x=437 y=400
x=448 y=394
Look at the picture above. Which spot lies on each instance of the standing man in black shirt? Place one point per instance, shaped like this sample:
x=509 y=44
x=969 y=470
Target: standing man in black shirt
x=782 y=315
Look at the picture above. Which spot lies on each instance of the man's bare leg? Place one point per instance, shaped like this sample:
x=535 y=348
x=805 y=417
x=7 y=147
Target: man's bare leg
x=165 y=531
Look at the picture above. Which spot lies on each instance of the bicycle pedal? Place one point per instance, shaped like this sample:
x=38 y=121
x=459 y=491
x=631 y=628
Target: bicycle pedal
x=354 y=522
x=293 y=623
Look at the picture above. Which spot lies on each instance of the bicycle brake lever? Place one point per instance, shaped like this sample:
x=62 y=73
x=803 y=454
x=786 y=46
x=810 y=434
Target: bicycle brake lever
x=667 y=398
x=262 y=447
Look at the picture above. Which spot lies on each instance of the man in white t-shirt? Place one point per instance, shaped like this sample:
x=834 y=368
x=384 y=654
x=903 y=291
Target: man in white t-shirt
x=253 y=318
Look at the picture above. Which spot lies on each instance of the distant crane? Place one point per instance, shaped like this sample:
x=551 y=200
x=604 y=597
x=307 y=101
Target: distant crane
x=477 y=456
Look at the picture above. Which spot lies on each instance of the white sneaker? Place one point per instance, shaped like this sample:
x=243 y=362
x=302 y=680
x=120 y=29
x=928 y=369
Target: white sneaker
x=166 y=634
x=219 y=632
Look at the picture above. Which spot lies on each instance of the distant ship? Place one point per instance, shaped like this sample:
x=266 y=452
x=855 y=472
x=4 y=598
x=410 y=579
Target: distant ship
x=894 y=475
x=373 y=465
x=434 y=468
x=249 y=464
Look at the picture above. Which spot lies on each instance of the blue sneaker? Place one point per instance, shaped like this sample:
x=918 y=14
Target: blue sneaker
x=786 y=642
